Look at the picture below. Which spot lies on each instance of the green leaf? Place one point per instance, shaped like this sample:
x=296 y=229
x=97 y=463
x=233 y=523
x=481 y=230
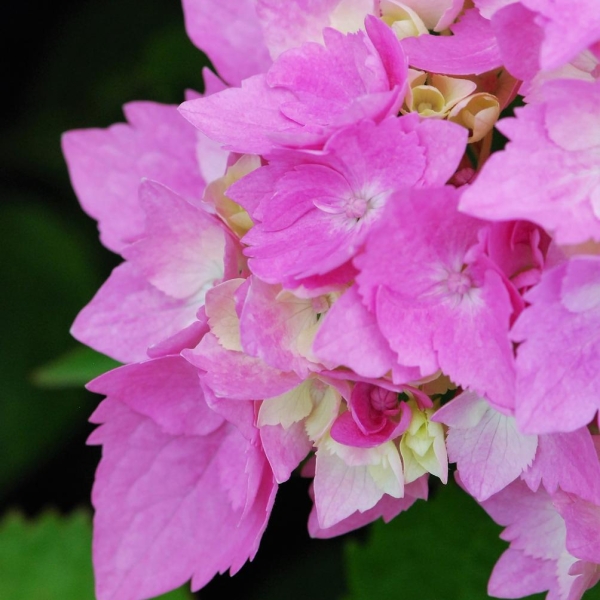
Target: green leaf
x=443 y=549
x=50 y=558
x=73 y=369
x=47 y=559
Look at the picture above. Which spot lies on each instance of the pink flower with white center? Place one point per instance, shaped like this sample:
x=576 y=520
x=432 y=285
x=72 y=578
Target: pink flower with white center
x=439 y=301
x=552 y=160
x=323 y=205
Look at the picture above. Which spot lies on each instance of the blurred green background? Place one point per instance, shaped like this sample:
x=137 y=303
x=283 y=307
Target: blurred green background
x=72 y=64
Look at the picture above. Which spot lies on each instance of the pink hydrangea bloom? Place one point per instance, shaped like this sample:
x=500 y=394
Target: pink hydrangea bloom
x=439 y=300
x=322 y=269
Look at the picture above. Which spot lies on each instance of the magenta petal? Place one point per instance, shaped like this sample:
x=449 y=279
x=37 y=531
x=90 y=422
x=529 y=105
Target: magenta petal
x=229 y=32
x=345 y=431
x=236 y=375
x=472 y=49
x=127 y=315
x=350 y=336
x=167 y=390
x=163 y=514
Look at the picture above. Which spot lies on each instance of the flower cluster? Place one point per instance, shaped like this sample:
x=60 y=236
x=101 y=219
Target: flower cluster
x=330 y=267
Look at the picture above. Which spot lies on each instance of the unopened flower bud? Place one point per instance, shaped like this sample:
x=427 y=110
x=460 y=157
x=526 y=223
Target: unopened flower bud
x=478 y=113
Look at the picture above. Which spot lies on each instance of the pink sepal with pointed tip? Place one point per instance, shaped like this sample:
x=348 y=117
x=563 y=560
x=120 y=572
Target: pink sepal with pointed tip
x=106 y=166
x=173 y=500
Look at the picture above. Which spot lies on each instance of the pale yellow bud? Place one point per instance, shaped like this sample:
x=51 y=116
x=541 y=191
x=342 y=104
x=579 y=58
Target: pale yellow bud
x=478 y=113
x=422 y=446
x=404 y=21
x=232 y=213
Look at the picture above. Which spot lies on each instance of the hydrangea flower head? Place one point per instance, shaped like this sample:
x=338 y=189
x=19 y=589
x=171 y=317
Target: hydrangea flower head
x=335 y=268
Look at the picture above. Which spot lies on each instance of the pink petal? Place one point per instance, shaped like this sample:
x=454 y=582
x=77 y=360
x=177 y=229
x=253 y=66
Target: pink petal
x=162 y=513
x=183 y=250
x=566 y=461
x=556 y=387
x=106 y=166
x=285 y=448
x=472 y=49
x=516 y=575
x=350 y=336
x=167 y=390
x=127 y=315
x=230 y=34
x=236 y=375
x=489 y=453
x=387 y=508
x=583 y=526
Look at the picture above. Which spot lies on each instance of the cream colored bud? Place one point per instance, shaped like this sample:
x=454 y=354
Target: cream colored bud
x=435 y=95
x=404 y=21
x=423 y=447
x=478 y=113
x=427 y=101
x=215 y=194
